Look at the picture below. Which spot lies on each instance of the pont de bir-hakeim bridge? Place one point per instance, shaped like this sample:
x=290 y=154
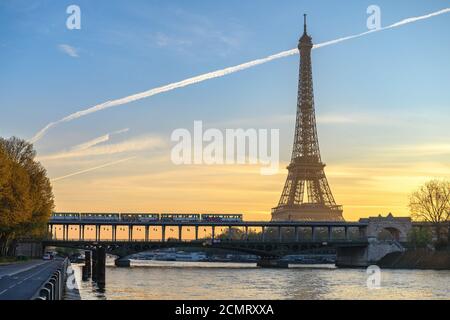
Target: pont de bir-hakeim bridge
x=306 y=217
x=355 y=243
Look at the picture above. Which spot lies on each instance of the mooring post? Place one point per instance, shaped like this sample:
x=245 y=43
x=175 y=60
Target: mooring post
x=84 y=273
x=101 y=267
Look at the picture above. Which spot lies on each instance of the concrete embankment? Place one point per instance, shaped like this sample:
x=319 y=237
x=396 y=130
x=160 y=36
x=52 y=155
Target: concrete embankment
x=417 y=259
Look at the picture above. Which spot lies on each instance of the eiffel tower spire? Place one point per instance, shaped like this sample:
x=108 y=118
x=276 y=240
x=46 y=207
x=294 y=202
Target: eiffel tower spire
x=306 y=194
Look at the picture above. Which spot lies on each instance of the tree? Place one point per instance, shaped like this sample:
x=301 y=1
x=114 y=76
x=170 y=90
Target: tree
x=26 y=197
x=431 y=203
x=420 y=238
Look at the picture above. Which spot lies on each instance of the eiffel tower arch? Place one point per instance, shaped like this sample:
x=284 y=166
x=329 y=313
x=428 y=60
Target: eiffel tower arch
x=306 y=194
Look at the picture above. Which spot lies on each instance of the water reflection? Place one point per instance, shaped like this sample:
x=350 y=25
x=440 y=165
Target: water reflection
x=206 y=280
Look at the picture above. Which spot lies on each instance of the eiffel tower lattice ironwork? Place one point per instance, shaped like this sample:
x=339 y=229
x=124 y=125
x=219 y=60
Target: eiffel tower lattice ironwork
x=306 y=194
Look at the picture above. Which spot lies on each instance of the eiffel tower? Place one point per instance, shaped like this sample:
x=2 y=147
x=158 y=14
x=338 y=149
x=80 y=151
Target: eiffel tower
x=306 y=195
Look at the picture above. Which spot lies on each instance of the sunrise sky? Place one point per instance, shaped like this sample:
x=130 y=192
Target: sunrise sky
x=381 y=100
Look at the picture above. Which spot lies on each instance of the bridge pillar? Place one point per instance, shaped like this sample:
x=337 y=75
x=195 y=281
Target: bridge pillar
x=97 y=233
x=82 y=232
x=213 y=232
x=280 y=235
x=313 y=233
x=101 y=267
x=362 y=232
x=263 y=233
x=246 y=233
x=130 y=233
x=180 y=233
x=346 y=233
x=230 y=233
x=147 y=233
x=94 y=264
x=163 y=234
x=87 y=263
x=196 y=232
x=79 y=232
x=330 y=233
x=297 y=235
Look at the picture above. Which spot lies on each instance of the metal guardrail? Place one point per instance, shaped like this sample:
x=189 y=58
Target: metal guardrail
x=54 y=287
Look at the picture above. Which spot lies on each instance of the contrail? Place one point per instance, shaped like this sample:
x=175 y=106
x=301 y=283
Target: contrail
x=91 y=169
x=98 y=140
x=217 y=74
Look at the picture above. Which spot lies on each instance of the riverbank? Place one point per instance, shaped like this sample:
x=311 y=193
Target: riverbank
x=422 y=259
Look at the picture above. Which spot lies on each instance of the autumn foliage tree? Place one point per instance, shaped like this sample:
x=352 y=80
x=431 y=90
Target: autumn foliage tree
x=26 y=197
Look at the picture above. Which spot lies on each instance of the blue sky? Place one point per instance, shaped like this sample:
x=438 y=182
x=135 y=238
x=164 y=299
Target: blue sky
x=374 y=95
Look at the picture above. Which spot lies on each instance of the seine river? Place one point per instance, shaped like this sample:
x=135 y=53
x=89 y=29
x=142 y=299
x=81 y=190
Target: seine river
x=211 y=280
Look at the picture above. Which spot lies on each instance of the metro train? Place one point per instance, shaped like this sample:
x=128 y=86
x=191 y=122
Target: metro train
x=145 y=217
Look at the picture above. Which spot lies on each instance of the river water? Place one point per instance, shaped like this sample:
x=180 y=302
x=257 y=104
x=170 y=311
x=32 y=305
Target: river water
x=211 y=280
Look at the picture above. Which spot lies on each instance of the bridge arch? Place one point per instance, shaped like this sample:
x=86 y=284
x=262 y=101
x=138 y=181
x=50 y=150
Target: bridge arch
x=389 y=233
x=388 y=228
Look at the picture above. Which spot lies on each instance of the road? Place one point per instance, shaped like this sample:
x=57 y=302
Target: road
x=21 y=281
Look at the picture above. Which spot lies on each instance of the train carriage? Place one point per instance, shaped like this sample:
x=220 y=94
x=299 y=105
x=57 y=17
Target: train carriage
x=139 y=217
x=213 y=217
x=67 y=216
x=100 y=216
x=188 y=217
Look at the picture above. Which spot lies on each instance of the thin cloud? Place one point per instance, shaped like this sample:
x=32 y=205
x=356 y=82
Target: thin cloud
x=90 y=169
x=432 y=149
x=217 y=74
x=132 y=145
x=69 y=50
